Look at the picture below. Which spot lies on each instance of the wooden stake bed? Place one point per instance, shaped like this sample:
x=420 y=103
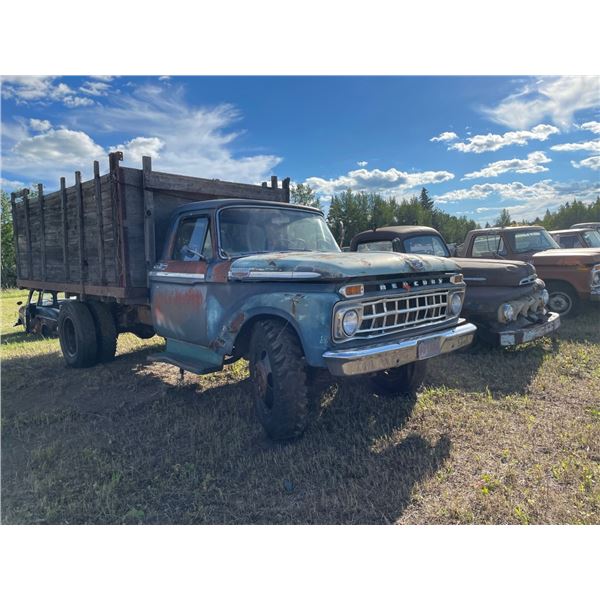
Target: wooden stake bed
x=101 y=237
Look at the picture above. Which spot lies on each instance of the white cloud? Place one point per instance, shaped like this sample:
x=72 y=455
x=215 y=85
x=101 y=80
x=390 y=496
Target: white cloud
x=95 y=88
x=362 y=163
x=7 y=184
x=556 y=98
x=164 y=78
x=40 y=124
x=447 y=136
x=491 y=142
x=534 y=163
x=533 y=199
x=102 y=77
x=593 y=162
x=148 y=120
x=589 y=146
x=376 y=180
x=140 y=146
x=592 y=126
x=27 y=89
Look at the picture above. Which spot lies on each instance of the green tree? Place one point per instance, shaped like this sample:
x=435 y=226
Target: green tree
x=305 y=195
x=8 y=273
x=425 y=200
x=504 y=219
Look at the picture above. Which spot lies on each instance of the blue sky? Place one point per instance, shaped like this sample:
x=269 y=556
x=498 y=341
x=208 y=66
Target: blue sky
x=479 y=144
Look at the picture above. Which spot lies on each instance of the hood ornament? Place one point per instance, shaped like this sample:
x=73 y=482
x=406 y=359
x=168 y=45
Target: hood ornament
x=416 y=264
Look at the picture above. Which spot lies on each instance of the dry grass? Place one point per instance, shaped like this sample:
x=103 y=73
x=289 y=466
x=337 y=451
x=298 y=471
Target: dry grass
x=494 y=437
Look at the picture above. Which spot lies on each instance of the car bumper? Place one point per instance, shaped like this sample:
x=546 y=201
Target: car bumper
x=528 y=334
x=370 y=359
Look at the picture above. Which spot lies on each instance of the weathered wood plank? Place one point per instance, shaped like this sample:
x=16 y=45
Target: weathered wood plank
x=16 y=231
x=211 y=187
x=98 y=197
x=25 y=195
x=149 y=235
x=40 y=188
x=81 y=238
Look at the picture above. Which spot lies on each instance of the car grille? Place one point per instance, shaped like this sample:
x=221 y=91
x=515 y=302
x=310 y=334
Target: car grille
x=388 y=315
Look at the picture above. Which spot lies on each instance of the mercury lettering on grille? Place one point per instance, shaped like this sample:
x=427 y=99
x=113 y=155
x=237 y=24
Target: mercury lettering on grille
x=388 y=315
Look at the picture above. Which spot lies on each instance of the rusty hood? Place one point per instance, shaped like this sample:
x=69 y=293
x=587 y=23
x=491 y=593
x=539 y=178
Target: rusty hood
x=566 y=257
x=334 y=265
x=491 y=272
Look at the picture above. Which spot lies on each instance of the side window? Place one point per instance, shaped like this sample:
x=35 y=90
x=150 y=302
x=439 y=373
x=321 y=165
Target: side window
x=570 y=241
x=190 y=241
x=488 y=246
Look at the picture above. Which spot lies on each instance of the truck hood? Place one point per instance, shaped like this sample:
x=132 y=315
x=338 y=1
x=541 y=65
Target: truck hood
x=567 y=256
x=502 y=273
x=334 y=265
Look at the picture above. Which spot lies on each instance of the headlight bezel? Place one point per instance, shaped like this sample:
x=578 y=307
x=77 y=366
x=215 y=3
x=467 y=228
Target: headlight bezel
x=453 y=311
x=350 y=314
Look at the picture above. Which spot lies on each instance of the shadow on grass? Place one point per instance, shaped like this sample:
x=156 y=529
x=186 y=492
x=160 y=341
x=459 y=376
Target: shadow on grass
x=20 y=336
x=129 y=442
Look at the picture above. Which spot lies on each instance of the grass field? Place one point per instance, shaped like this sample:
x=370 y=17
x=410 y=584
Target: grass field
x=493 y=437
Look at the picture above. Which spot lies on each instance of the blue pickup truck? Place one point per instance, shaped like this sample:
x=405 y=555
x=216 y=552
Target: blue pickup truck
x=265 y=281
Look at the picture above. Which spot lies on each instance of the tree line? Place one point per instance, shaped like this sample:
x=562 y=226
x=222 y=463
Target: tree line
x=352 y=212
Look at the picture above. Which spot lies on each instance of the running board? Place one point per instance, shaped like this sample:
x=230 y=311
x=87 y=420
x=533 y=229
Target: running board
x=189 y=357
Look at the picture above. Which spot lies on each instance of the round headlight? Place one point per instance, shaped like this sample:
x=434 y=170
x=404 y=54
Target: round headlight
x=545 y=296
x=508 y=312
x=350 y=322
x=455 y=304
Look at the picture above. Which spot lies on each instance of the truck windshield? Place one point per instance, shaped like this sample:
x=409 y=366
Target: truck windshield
x=252 y=230
x=533 y=240
x=592 y=238
x=426 y=244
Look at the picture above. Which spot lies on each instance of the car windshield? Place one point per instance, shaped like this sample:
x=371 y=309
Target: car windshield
x=592 y=238
x=533 y=240
x=426 y=244
x=252 y=230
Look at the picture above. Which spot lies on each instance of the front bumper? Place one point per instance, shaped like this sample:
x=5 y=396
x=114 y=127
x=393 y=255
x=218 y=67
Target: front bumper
x=527 y=334
x=370 y=359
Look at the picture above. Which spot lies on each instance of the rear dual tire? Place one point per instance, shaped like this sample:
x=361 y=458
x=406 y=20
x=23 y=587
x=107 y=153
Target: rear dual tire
x=87 y=333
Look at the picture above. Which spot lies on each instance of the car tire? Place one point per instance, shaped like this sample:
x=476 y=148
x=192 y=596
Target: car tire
x=406 y=379
x=278 y=376
x=144 y=332
x=106 y=331
x=77 y=335
x=563 y=300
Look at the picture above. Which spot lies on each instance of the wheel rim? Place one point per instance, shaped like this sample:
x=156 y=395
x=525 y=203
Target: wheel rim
x=264 y=379
x=560 y=302
x=69 y=337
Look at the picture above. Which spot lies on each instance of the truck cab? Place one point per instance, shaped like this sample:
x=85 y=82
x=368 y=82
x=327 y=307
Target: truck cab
x=572 y=276
x=581 y=237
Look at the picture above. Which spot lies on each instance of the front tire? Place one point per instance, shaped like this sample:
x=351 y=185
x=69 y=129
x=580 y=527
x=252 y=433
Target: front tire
x=77 y=335
x=402 y=380
x=563 y=299
x=278 y=376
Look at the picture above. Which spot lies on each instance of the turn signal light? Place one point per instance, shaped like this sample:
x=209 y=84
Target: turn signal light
x=353 y=290
x=458 y=278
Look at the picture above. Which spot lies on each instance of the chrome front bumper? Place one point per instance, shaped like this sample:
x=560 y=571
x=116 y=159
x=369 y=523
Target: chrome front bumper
x=370 y=359
x=528 y=334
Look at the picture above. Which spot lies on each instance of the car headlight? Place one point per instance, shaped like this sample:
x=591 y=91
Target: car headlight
x=545 y=296
x=350 y=322
x=595 y=275
x=455 y=304
x=507 y=312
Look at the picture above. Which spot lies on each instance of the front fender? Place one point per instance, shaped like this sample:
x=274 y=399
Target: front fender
x=309 y=313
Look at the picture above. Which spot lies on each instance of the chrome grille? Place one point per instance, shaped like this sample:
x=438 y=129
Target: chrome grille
x=388 y=315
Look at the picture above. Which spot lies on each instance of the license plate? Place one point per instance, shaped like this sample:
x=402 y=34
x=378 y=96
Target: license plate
x=428 y=348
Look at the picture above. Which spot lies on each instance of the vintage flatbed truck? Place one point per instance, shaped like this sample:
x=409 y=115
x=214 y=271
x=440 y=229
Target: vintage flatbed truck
x=505 y=299
x=226 y=271
x=572 y=276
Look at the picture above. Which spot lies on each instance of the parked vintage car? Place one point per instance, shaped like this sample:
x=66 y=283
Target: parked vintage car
x=572 y=276
x=505 y=299
x=39 y=313
x=591 y=225
x=580 y=237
